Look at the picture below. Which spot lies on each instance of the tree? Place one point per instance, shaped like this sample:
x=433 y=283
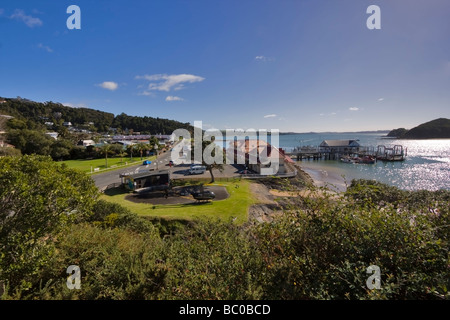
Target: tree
x=107 y=148
x=61 y=149
x=38 y=198
x=130 y=149
x=216 y=156
x=30 y=141
x=141 y=147
x=152 y=142
x=6 y=151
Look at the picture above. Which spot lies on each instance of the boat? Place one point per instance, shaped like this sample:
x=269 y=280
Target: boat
x=348 y=160
x=367 y=160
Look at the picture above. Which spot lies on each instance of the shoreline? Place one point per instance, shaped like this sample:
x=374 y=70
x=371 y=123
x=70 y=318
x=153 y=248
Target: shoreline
x=324 y=178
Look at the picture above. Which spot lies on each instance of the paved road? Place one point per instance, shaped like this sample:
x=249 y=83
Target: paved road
x=102 y=180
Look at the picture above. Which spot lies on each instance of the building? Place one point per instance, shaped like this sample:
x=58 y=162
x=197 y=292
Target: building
x=146 y=181
x=249 y=152
x=86 y=143
x=339 y=146
x=54 y=135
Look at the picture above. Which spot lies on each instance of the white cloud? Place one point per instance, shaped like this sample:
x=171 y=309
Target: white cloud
x=28 y=20
x=46 y=48
x=381 y=99
x=263 y=58
x=327 y=114
x=165 y=82
x=270 y=116
x=109 y=85
x=353 y=109
x=174 y=98
x=146 y=93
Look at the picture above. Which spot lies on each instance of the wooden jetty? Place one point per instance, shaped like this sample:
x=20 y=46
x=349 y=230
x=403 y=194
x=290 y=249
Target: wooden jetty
x=335 y=149
x=396 y=153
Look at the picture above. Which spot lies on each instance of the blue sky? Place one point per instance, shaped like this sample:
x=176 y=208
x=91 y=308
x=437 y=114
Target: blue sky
x=292 y=65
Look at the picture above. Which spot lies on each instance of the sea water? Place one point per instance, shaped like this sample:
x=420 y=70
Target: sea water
x=427 y=165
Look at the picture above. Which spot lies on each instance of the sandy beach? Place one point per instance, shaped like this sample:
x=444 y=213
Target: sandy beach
x=324 y=175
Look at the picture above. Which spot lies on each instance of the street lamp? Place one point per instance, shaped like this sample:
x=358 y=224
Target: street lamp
x=156 y=160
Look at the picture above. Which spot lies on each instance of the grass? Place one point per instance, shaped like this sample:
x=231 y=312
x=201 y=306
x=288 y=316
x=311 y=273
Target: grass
x=88 y=165
x=236 y=206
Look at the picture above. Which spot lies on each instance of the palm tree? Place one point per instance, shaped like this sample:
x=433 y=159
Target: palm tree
x=122 y=154
x=106 y=149
x=130 y=149
x=141 y=147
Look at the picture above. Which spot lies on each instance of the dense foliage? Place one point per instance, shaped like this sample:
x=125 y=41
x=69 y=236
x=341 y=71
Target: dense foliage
x=148 y=125
x=38 y=199
x=320 y=248
x=39 y=113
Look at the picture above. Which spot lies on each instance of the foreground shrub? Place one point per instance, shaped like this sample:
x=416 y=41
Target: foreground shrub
x=323 y=250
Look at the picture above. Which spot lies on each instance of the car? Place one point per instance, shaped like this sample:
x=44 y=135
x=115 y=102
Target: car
x=146 y=162
x=197 y=170
x=204 y=196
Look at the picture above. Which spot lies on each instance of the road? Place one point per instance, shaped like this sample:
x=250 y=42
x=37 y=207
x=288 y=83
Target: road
x=102 y=180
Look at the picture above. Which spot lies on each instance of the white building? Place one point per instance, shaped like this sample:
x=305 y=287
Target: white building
x=54 y=135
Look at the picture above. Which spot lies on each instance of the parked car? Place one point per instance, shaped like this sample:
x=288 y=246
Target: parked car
x=146 y=162
x=197 y=170
x=204 y=196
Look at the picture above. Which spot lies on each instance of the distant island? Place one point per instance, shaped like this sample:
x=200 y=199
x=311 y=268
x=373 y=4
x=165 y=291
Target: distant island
x=435 y=129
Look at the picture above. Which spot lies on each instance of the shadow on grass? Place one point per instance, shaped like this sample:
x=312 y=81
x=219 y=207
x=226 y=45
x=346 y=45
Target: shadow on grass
x=115 y=191
x=181 y=205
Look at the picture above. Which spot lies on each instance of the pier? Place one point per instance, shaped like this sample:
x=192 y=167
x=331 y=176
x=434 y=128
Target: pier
x=336 y=149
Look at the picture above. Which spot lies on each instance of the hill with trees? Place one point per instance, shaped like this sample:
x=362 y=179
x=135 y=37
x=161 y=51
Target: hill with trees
x=95 y=120
x=435 y=129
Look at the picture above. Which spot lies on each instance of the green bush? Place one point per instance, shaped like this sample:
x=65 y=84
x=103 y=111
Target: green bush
x=114 y=263
x=320 y=248
x=323 y=250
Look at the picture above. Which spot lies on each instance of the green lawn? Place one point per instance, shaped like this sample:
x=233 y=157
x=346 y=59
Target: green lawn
x=236 y=206
x=88 y=165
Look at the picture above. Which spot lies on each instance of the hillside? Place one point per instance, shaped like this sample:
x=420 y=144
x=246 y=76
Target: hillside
x=435 y=129
x=99 y=121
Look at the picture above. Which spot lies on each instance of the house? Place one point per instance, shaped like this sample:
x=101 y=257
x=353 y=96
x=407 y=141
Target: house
x=250 y=153
x=339 y=146
x=3 y=144
x=54 y=135
x=67 y=124
x=86 y=143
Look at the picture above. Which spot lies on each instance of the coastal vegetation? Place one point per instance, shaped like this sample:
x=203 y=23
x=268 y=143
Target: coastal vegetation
x=320 y=247
x=435 y=129
x=39 y=113
x=27 y=125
